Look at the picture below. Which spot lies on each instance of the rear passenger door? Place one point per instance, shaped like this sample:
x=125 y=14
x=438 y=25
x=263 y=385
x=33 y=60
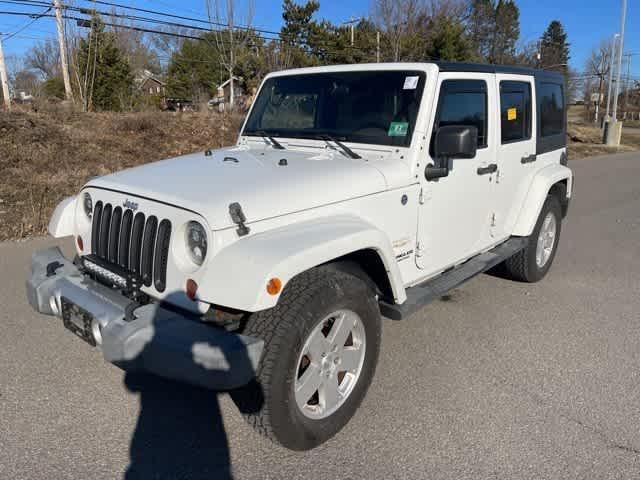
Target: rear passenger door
x=516 y=150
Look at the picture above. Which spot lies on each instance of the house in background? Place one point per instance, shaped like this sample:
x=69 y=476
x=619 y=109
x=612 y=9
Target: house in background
x=149 y=84
x=223 y=94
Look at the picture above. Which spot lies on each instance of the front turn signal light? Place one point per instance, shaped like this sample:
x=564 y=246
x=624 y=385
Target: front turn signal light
x=274 y=286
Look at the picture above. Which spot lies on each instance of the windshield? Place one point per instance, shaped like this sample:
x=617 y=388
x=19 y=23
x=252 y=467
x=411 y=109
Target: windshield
x=378 y=107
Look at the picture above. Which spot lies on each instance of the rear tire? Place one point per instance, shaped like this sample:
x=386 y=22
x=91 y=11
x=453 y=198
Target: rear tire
x=533 y=262
x=315 y=301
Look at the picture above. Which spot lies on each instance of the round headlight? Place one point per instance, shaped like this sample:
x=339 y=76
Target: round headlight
x=88 y=204
x=196 y=240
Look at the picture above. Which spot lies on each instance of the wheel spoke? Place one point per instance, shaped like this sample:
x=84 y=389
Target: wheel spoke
x=308 y=384
x=329 y=395
x=317 y=345
x=330 y=370
x=340 y=330
x=350 y=359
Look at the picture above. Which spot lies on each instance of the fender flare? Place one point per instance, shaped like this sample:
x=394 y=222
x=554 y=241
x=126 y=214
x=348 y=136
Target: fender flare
x=62 y=220
x=537 y=194
x=237 y=276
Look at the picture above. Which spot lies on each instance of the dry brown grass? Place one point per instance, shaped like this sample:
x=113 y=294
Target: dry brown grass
x=46 y=156
x=586 y=141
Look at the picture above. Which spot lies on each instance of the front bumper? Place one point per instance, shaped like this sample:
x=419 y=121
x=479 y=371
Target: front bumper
x=144 y=338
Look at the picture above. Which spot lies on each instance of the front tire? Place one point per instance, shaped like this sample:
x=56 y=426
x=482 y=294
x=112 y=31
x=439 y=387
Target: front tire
x=533 y=262
x=322 y=342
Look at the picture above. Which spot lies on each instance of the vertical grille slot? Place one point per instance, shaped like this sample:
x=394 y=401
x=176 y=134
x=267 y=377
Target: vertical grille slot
x=95 y=226
x=125 y=239
x=132 y=241
x=114 y=234
x=103 y=236
x=148 y=244
x=162 y=255
x=136 y=242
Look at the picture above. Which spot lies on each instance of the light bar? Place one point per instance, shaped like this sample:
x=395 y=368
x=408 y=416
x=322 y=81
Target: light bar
x=108 y=274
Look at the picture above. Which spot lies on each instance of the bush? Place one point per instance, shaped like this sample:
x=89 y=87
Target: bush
x=53 y=88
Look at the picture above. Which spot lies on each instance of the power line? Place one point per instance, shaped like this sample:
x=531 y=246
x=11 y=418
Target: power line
x=254 y=30
x=28 y=24
x=180 y=17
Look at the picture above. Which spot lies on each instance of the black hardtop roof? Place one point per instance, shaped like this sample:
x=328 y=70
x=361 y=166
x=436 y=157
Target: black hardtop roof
x=489 y=68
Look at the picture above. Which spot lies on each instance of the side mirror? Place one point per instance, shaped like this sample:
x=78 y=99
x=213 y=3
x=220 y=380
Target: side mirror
x=450 y=142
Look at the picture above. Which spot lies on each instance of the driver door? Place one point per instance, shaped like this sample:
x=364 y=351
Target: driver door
x=455 y=215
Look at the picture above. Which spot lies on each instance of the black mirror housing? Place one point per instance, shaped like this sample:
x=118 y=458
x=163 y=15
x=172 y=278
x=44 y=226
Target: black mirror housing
x=456 y=141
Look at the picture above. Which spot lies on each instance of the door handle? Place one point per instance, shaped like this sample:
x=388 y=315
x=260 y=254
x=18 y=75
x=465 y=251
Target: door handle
x=529 y=158
x=491 y=168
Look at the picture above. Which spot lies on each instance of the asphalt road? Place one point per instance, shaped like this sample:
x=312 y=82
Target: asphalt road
x=504 y=380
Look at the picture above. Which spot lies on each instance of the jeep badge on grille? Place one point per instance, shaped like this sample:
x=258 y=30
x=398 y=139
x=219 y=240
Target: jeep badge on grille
x=129 y=204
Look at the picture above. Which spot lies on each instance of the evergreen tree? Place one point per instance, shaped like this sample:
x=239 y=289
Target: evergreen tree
x=494 y=29
x=481 y=27
x=105 y=74
x=448 y=41
x=195 y=71
x=554 y=48
x=506 y=33
x=297 y=33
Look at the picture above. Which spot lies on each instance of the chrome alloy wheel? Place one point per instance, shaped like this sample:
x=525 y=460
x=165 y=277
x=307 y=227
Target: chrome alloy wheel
x=546 y=239
x=330 y=364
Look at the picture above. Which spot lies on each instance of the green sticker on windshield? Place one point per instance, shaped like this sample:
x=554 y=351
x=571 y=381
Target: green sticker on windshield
x=398 y=129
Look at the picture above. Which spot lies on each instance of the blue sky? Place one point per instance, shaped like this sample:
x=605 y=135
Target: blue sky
x=586 y=21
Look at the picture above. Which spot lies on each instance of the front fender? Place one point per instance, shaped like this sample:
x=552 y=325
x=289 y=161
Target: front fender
x=237 y=276
x=537 y=194
x=62 y=220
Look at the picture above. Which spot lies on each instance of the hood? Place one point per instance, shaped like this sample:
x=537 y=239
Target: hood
x=266 y=183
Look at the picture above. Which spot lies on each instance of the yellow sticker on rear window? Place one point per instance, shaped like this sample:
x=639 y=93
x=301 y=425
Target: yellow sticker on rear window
x=512 y=114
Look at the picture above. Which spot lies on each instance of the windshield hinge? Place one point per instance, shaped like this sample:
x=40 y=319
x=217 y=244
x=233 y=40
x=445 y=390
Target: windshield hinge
x=238 y=217
x=418 y=249
x=421 y=196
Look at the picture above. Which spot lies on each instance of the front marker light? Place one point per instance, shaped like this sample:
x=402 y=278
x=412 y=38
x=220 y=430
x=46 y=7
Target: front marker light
x=87 y=203
x=196 y=242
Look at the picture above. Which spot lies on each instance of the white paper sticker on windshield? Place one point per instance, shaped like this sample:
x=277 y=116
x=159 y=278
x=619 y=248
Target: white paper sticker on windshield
x=410 y=83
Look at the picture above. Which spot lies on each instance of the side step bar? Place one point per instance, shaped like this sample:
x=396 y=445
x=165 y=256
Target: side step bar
x=424 y=293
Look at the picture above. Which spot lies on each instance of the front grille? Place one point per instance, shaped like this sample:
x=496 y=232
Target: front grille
x=134 y=243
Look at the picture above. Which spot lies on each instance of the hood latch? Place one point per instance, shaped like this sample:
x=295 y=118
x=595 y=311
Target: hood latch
x=238 y=217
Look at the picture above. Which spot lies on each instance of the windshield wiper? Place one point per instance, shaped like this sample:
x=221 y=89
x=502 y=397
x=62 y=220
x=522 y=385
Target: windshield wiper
x=350 y=153
x=274 y=142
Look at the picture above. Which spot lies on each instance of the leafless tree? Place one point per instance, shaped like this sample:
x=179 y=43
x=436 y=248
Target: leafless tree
x=398 y=19
x=597 y=65
x=44 y=57
x=135 y=44
x=228 y=41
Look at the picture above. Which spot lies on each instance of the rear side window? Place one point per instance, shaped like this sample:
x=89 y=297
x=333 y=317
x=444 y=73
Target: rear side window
x=464 y=102
x=551 y=109
x=515 y=111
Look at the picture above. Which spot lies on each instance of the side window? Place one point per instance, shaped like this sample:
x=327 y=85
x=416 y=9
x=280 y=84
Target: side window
x=464 y=102
x=515 y=111
x=551 y=109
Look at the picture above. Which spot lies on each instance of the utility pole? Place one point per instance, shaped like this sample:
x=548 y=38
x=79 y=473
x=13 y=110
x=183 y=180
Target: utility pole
x=613 y=131
x=63 y=51
x=3 y=78
x=352 y=24
x=611 y=64
x=620 y=48
x=230 y=14
x=377 y=47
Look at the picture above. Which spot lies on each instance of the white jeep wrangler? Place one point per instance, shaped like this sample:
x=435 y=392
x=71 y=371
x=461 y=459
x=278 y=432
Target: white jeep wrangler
x=353 y=193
